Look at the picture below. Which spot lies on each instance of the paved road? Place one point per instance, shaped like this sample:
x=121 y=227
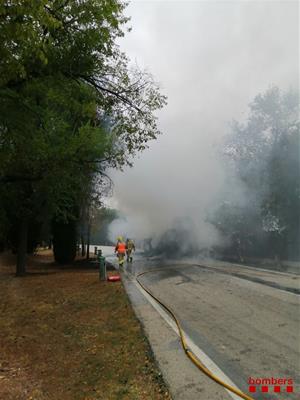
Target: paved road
x=245 y=319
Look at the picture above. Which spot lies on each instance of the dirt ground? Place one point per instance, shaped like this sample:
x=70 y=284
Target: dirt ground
x=64 y=335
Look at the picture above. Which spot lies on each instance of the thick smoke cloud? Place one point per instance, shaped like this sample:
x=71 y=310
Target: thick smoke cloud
x=211 y=59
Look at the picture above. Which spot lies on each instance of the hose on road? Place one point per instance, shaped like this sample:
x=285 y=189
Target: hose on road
x=187 y=351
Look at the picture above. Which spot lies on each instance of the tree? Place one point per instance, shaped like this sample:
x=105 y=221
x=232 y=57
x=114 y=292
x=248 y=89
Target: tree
x=46 y=169
x=92 y=210
x=64 y=242
x=76 y=40
x=264 y=153
x=70 y=106
x=101 y=219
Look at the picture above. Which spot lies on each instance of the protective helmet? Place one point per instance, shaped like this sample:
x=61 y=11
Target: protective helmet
x=119 y=238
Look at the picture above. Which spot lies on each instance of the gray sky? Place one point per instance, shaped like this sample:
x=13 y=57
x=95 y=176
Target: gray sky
x=211 y=58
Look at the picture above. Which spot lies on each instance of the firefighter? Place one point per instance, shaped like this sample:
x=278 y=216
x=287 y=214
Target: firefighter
x=130 y=247
x=120 y=249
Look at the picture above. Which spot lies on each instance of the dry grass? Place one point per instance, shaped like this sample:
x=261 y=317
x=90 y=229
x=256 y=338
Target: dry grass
x=66 y=336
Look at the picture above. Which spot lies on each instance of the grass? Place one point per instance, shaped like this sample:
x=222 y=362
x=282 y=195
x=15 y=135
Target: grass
x=66 y=335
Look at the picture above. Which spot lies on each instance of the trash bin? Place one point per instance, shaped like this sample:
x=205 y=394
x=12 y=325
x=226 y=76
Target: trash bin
x=102 y=266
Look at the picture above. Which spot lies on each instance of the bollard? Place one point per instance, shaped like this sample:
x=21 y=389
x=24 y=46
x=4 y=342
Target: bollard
x=95 y=250
x=102 y=266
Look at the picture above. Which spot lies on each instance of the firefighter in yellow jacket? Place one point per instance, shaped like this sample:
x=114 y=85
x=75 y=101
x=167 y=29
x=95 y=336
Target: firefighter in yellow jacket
x=120 y=249
x=130 y=247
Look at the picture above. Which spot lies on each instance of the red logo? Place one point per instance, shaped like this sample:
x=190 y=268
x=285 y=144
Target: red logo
x=271 y=385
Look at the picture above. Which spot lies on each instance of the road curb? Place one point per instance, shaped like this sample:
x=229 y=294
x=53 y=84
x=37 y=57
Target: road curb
x=181 y=376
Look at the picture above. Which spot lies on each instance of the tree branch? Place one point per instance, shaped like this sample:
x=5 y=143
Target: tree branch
x=112 y=92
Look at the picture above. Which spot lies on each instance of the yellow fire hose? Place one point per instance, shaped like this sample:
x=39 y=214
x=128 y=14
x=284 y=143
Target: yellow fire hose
x=187 y=351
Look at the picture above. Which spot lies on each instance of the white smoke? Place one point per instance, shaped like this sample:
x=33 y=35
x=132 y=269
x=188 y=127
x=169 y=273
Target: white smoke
x=211 y=59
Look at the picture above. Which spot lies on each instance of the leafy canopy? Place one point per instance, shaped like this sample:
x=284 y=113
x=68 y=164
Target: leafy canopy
x=264 y=154
x=70 y=104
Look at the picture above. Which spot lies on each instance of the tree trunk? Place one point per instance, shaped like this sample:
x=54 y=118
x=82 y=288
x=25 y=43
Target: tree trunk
x=88 y=241
x=22 y=247
x=82 y=246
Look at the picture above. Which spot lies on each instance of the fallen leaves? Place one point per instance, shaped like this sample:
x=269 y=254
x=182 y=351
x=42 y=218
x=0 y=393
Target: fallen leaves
x=67 y=335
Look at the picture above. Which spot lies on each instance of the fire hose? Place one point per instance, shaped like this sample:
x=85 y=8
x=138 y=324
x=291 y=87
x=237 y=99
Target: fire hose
x=187 y=351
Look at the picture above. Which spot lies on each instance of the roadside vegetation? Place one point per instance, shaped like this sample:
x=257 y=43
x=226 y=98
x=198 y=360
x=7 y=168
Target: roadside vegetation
x=65 y=335
x=262 y=157
x=257 y=213
x=71 y=106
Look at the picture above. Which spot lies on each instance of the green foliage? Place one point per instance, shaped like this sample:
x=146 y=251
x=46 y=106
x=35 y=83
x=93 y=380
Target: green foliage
x=70 y=105
x=45 y=37
x=50 y=144
x=264 y=153
x=76 y=40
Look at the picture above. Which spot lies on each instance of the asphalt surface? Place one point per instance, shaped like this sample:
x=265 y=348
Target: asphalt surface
x=245 y=319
